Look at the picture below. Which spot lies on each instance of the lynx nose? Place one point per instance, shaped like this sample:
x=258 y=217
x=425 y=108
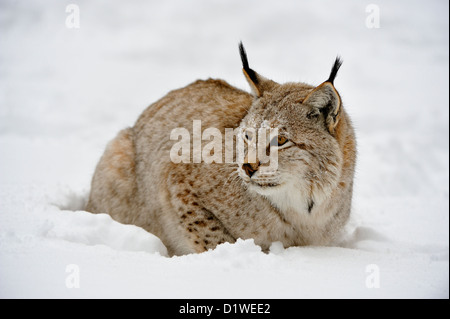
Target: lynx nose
x=250 y=169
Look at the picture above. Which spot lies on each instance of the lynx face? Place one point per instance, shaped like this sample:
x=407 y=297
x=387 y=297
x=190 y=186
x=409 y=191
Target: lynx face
x=308 y=156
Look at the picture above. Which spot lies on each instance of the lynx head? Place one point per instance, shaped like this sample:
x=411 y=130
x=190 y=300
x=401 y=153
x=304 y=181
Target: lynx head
x=306 y=119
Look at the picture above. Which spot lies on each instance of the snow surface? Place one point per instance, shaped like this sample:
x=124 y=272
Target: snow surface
x=65 y=92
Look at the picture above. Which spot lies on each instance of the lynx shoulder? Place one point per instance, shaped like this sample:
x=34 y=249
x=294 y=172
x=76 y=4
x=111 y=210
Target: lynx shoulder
x=276 y=164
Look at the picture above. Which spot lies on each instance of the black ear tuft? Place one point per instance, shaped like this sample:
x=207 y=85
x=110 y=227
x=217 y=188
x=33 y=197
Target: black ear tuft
x=251 y=74
x=337 y=64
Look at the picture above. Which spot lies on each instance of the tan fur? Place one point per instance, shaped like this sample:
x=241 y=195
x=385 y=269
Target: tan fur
x=194 y=207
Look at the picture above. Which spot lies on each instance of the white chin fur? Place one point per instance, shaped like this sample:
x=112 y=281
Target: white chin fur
x=266 y=191
x=284 y=197
x=291 y=197
x=287 y=197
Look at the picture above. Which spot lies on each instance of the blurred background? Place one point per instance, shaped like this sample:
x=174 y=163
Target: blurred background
x=78 y=81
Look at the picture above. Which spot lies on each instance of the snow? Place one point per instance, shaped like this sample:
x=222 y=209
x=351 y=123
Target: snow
x=65 y=92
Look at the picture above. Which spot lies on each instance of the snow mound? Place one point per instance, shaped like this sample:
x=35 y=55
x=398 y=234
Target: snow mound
x=89 y=229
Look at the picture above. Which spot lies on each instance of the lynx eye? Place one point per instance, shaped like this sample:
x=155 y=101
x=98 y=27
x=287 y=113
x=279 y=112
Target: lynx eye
x=279 y=140
x=248 y=136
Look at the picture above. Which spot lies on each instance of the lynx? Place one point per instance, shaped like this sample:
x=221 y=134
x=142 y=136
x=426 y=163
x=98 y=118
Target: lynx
x=193 y=207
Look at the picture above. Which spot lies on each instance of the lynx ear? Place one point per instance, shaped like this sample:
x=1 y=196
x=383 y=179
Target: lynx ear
x=257 y=82
x=326 y=99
